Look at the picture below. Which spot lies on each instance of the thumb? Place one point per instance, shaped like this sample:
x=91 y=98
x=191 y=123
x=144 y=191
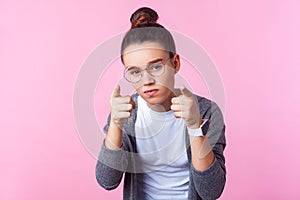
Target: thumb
x=185 y=91
x=116 y=92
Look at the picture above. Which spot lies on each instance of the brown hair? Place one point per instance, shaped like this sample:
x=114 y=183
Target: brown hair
x=144 y=27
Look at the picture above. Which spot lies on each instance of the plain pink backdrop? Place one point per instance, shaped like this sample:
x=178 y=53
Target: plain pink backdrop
x=254 y=44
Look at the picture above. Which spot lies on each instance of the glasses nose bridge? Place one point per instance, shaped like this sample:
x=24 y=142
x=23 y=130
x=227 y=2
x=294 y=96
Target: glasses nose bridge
x=147 y=77
x=147 y=70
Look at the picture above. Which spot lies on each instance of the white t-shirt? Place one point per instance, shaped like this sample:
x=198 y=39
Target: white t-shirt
x=162 y=156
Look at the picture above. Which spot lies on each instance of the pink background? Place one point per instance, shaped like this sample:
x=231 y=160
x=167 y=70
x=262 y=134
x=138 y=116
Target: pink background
x=254 y=44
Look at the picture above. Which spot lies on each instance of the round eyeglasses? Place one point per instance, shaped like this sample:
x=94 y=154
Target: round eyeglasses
x=154 y=68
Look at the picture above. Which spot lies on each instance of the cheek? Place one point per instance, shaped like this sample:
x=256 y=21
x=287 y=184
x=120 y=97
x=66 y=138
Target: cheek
x=167 y=80
x=136 y=86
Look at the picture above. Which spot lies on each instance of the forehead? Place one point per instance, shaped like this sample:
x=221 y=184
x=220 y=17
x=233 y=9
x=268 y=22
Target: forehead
x=141 y=54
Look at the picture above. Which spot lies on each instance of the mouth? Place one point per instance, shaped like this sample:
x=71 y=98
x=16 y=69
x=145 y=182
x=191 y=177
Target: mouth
x=151 y=92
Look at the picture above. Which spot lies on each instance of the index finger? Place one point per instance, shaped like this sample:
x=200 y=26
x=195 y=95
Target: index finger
x=116 y=92
x=186 y=92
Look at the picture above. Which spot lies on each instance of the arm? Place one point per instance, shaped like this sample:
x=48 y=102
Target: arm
x=112 y=161
x=208 y=161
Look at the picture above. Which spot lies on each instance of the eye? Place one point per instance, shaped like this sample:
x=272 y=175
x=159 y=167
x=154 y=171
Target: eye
x=156 y=67
x=134 y=71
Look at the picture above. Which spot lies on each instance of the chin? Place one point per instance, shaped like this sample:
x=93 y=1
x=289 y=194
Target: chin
x=156 y=100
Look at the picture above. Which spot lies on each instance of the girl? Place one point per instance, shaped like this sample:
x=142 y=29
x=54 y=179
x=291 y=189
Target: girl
x=168 y=142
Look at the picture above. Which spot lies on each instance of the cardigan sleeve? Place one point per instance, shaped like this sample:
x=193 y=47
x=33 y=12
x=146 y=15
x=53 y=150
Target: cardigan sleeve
x=210 y=183
x=111 y=165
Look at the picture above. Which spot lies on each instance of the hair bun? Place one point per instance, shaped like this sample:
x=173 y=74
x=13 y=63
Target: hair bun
x=143 y=15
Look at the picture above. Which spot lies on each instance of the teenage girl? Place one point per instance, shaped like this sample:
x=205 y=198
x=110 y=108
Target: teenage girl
x=168 y=142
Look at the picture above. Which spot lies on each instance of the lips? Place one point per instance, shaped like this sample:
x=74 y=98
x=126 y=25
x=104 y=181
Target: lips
x=151 y=92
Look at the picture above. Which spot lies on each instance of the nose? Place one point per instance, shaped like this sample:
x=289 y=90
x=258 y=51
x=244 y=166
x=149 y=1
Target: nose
x=147 y=79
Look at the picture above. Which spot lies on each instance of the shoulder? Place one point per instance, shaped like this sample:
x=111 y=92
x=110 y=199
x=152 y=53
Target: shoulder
x=207 y=107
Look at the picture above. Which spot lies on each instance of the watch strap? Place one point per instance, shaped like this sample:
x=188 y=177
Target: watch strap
x=201 y=131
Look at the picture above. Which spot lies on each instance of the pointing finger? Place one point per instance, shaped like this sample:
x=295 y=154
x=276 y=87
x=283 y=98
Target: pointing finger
x=186 y=92
x=116 y=92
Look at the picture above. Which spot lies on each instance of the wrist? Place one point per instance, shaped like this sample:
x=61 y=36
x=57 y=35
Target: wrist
x=196 y=125
x=113 y=139
x=113 y=145
x=201 y=130
x=116 y=124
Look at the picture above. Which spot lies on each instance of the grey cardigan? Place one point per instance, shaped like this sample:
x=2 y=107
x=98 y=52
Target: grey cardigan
x=207 y=184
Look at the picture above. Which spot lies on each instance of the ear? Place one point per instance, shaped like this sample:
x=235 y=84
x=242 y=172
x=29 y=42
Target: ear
x=176 y=62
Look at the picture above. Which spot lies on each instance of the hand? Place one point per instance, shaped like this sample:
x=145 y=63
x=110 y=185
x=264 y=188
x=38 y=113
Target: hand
x=120 y=107
x=185 y=106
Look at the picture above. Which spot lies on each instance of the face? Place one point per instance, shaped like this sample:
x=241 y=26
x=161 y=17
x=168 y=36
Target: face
x=157 y=91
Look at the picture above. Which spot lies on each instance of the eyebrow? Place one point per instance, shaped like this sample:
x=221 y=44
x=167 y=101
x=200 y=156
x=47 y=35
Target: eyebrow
x=150 y=62
x=155 y=60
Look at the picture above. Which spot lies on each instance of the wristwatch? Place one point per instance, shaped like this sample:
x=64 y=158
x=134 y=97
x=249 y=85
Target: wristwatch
x=201 y=131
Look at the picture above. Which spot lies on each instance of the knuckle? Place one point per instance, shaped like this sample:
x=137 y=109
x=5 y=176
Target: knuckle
x=113 y=100
x=126 y=99
x=114 y=116
x=129 y=106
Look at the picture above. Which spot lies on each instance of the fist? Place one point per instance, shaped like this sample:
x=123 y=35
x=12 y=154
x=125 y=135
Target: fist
x=185 y=106
x=121 y=107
